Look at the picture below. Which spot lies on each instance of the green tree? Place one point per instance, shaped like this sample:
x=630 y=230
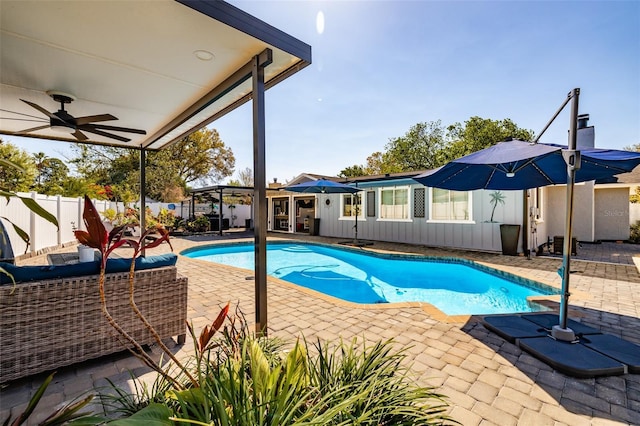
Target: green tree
x=198 y=158
x=479 y=133
x=380 y=163
x=20 y=178
x=52 y=174
x=419 y=149
x=352 y=171
x=429 y=145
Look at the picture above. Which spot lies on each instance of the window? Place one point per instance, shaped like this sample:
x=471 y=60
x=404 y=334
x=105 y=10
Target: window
x=352 y=205
x=450 y=205
x=394 y=203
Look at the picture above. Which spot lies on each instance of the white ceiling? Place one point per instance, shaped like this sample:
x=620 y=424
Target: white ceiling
x=134 y=60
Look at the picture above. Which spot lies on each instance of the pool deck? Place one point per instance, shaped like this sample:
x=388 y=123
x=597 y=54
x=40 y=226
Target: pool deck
x=488 y=381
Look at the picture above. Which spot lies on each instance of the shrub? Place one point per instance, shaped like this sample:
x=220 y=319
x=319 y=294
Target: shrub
x=246 y=380
x=166 y=217
x=634 y=237
x=200 y=224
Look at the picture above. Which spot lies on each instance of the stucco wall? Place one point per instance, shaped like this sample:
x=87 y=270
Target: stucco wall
x=583 y=216
x=611 y=213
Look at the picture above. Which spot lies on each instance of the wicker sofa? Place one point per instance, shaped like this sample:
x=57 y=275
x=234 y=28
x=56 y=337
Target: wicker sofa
x=52 y=323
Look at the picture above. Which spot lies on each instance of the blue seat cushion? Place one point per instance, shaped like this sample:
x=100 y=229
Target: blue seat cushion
x=45 y=272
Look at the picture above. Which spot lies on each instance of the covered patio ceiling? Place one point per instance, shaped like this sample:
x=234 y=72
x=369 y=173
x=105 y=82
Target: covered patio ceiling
x=166 y=67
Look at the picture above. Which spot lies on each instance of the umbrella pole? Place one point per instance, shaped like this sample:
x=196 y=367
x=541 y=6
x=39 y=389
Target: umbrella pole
x=357 y=213
x=572 y=158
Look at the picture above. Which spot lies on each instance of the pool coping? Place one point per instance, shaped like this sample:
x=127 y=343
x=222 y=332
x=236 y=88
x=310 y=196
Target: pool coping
x=543 y=300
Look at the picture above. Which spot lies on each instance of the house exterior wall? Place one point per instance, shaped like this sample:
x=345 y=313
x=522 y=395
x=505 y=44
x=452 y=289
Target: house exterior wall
x=583 y=211
x=475 y=234
x=599 y=213
x=611 y=213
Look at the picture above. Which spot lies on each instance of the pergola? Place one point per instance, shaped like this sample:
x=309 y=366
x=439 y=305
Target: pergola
x=167 y=68
x=219 y=191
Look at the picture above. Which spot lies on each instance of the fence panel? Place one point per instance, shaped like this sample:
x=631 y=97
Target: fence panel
x=68 y=211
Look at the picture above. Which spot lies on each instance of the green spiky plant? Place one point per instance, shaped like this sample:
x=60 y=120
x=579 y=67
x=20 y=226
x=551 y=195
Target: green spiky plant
x=69 y=414
x=245 y=380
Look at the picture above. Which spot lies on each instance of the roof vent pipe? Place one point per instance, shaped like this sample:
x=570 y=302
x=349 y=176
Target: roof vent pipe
x=583 y=120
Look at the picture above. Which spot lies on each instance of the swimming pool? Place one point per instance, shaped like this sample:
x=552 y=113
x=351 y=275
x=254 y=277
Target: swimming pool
x=455 y=286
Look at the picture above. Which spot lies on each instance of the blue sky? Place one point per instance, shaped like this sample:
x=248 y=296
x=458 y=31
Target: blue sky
x=380 y=67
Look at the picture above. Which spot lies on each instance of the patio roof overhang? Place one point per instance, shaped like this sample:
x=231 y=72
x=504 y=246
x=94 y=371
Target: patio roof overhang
x=138 y=61
x=166 y=67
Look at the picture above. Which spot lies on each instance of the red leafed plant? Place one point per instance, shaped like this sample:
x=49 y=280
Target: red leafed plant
x=97 y=237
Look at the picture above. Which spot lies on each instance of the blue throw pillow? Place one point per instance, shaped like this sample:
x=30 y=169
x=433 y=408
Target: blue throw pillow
x=45 y=272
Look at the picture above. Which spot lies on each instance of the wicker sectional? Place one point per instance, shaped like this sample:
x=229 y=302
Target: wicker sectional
x=49 y=324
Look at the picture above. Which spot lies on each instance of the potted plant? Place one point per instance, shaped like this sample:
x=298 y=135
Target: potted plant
x=509 y=234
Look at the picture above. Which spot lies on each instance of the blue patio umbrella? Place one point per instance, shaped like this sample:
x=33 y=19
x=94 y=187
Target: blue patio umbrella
x=516 y=165
x=322 y=186
x=520 y=165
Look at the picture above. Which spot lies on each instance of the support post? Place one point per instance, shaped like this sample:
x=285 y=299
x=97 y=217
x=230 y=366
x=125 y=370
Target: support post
x=143 y=195
x=220 y=215
x=260 y=191
x=572 y=158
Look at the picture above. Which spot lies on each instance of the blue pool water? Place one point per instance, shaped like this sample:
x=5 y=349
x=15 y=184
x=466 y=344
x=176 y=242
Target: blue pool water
x=455 y=286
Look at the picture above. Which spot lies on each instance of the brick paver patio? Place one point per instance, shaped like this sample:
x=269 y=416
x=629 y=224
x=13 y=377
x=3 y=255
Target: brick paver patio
x=487 y=380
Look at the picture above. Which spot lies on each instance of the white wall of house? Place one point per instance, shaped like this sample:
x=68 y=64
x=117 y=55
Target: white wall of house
x=475 y=232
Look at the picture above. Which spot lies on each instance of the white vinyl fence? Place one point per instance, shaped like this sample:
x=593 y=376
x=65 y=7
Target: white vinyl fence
x=44 y=235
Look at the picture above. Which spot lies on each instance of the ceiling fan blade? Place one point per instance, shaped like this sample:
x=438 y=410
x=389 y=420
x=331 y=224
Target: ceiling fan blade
x=33 y=129
x=94 y=118
x=79 y=135
x=118 y=129
x=33 y=120
x=21 y=113
x=86 y=128
x=39 y=108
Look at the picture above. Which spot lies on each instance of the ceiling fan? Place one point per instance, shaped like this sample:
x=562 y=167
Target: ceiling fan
x=62 y=121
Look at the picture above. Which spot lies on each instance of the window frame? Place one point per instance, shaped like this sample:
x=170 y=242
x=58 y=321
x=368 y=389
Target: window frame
x=361 y=213
x=470 y=219
x=409 y=204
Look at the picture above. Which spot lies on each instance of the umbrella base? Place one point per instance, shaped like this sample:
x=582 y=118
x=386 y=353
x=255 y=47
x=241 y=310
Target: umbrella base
x=356 y=243
x=564 y=334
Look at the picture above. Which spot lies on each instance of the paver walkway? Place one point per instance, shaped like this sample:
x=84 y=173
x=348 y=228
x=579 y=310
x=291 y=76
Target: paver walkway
x=487 y=380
